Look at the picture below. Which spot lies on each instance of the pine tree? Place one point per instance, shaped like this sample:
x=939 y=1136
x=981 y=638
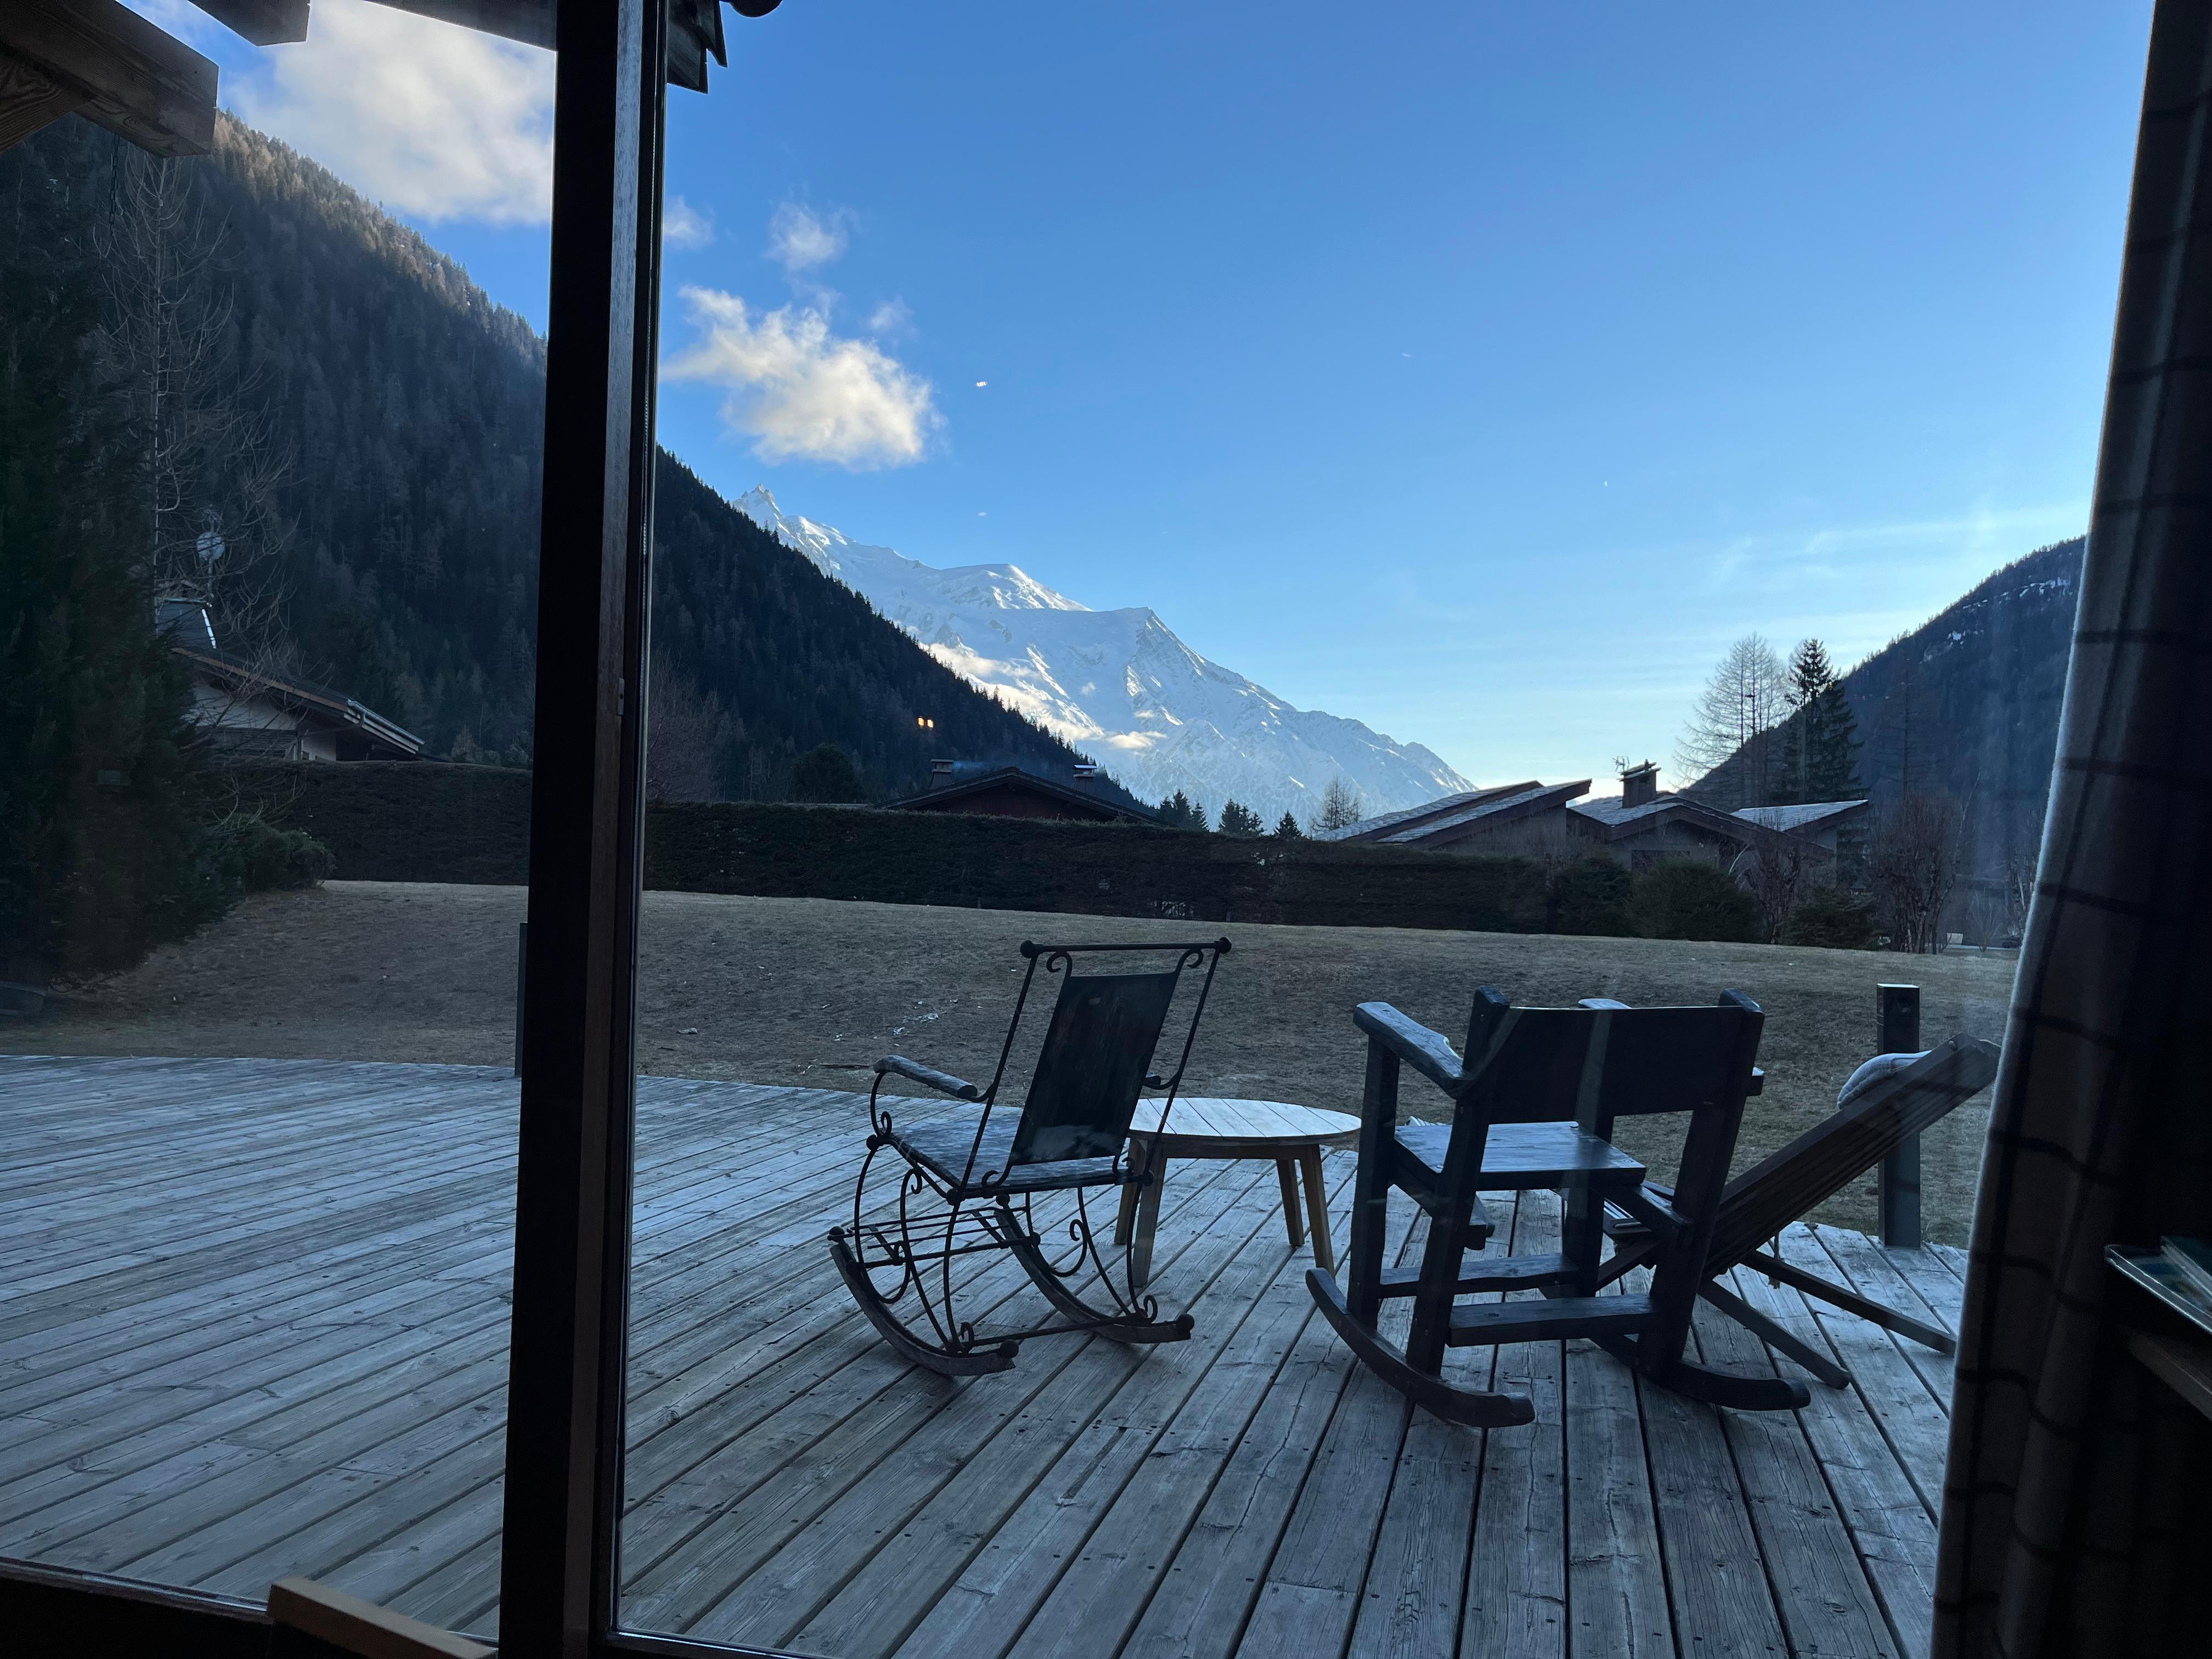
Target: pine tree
x=1238 y=819
x=1287 y=827
x=101 y=798
x=1822 y=735
x=826 y=773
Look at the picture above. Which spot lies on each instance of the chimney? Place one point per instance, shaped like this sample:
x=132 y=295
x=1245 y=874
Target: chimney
x=1086 y=777
x=940 y=774
x=1640 y=785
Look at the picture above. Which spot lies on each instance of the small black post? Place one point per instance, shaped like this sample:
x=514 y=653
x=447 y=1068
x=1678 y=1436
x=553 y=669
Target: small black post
x=1898 y=1032
x=521 y=989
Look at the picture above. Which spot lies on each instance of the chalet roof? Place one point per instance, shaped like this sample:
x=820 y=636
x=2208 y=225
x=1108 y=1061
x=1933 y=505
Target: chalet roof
x=984 y=781
x=1503 y=807
x=1619 y=822
x=301 y=696
x=1385 y=826
x=1807 y=815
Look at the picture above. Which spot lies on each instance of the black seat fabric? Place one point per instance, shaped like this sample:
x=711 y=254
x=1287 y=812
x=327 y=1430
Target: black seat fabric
x=943 y=1146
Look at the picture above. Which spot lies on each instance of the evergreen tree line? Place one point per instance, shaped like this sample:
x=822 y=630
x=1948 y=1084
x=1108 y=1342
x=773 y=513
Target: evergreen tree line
x=1765 y=734
x=1179 y=812
x=401 y=520
x=115 y=832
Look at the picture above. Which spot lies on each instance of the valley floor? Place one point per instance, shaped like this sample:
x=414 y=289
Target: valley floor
x=807 y=991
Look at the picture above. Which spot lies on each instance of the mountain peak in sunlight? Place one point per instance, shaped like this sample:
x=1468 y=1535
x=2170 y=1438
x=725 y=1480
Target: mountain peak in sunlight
x=1118 y=683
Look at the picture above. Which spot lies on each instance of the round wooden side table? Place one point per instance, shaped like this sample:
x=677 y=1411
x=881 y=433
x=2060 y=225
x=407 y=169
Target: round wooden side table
x=1205 y=1127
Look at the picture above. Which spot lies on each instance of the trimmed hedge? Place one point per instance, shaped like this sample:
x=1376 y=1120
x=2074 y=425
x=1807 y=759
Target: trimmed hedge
x=404 y=821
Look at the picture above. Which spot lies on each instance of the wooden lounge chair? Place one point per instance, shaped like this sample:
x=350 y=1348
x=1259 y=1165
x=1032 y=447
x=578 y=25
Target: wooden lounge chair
x=1887 y=1101
x=966 y=1184
x=1527 y=1099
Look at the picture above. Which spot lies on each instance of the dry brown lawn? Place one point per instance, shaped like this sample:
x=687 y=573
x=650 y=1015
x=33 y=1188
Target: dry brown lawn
x=810 y=991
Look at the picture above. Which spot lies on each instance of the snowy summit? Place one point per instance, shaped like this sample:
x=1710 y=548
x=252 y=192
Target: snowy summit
x=1119 y=684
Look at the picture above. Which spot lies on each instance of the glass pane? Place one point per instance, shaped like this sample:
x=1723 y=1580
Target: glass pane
x=1445 y=499
x=272 y=417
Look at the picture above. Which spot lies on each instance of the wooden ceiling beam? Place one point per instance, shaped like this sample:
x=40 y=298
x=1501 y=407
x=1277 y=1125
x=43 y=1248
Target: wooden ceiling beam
x=134 y=80
x=264 y=22
x=29 y=101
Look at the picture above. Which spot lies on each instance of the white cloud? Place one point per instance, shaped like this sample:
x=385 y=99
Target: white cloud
x=683 y=225
x=799 y=240
x=434 y=120
x=801 y=391
x=891 y=319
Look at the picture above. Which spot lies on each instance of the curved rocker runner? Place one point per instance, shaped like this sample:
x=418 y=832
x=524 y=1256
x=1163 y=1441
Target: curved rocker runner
x=970 y=1186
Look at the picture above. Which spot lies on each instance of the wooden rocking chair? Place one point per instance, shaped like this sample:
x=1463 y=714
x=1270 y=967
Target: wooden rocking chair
x=1072 y=1135
x=1527 y=1099
x=1887 y=1101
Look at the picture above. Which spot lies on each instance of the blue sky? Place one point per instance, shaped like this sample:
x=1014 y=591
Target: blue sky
x=1477 y=370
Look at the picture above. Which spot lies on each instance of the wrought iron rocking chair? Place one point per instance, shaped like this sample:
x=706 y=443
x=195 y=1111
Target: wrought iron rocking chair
x=1072 y=1135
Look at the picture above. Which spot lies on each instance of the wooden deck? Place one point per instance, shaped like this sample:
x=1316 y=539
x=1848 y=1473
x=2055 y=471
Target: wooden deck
x=252 y=1322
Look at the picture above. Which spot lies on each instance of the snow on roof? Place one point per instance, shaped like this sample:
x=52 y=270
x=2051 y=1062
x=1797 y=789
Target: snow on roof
x=1608 y=809
x=1479 y=809
x=1800 y=817
x=1367 y=827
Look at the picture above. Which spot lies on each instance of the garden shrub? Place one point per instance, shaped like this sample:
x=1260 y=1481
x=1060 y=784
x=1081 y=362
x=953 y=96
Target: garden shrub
x=1688 y=898
x=1592 y=896
x=1832 y=918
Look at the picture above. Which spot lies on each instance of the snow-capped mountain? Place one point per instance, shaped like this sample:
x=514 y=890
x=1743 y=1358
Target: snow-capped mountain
x=1119 y=684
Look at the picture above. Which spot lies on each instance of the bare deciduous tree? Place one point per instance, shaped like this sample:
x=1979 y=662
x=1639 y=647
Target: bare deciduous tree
x=1782 y=874
x=1735 y=715
x=1341 y=806
x=1912 y=866
x=210 y=462
x=2019 y=892
x=685 y=735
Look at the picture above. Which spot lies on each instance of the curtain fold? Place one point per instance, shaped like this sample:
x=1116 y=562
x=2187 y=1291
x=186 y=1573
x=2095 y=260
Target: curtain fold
x=2077 y=1501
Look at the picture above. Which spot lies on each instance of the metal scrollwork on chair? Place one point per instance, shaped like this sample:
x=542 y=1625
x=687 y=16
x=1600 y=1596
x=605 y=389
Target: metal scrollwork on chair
x=969 y=1187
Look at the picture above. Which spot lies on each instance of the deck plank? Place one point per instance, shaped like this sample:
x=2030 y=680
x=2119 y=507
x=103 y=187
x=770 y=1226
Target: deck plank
x=1820 y=1584
x=1516 y=1598
x=1909 y=1416
x=256 y=1324
x=1890 y=1527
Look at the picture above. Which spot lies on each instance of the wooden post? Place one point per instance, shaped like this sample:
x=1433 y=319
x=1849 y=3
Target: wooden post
x=1898 y=1032
x=521 y=987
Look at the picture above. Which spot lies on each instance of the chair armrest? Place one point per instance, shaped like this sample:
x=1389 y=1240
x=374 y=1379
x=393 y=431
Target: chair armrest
x=944 y=1082
x=1421 y=1048
x=1653 y=1210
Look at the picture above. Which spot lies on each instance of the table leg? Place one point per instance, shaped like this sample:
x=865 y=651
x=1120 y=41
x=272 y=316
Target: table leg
x=1148 y=1221
x=1317 y=1208
x=1288 y=1176
x=1127 y=1213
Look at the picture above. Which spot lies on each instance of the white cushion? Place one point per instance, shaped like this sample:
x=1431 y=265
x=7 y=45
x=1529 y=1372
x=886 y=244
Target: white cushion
x=1877 y=1070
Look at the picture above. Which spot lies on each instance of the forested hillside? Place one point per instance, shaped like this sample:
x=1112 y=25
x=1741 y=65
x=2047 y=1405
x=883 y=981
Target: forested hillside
x=386 y=423
x=1966 y=705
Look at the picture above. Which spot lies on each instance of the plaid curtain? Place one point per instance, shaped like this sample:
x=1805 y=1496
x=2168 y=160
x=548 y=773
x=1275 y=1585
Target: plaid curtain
x=2077 y=1503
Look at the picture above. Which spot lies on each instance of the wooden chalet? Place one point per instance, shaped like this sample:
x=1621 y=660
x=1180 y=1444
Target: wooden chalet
x=255 y=712
x=1020 y=791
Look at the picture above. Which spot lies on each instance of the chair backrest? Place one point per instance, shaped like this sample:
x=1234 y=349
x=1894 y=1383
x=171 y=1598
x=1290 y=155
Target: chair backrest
x=1593 y=1064
x=1097 y=1054
x=1096 y=1057
x=1868 y=1125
